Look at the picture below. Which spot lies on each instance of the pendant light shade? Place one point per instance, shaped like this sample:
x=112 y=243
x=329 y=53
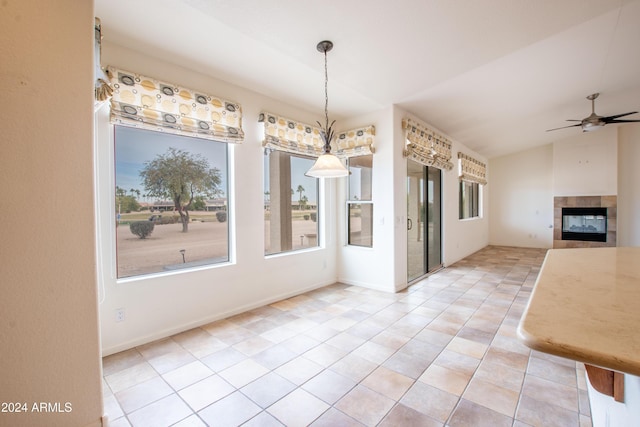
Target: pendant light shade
x=327 y=165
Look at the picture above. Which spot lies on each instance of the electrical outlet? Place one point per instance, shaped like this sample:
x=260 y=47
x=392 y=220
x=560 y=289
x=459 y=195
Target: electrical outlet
x=119 y=314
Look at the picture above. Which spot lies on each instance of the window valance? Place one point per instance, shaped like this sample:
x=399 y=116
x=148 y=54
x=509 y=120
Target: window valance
x=426 y=146
x=295 y=137
x=145 y=102
x=357 y=142
x=289 y=135
x=472 y=170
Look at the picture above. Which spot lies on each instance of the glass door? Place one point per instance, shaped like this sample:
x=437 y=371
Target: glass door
x=434 y=219
x=424 y=219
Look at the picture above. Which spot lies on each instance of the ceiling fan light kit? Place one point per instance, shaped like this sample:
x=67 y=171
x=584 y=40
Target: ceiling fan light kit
x=594 y=121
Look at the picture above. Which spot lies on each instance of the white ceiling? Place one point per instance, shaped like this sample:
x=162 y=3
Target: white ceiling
x=491 y=74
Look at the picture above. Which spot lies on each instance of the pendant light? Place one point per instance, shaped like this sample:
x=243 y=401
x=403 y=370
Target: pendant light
x=327 y=165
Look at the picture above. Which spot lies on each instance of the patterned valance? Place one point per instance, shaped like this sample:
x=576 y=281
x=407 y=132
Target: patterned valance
x=472 y=170
x=295 y=137
x=426 y=146
x=148 y=103
x=357 y=142
x=289 y=135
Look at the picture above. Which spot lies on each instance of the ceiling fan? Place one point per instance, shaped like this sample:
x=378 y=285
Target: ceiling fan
x=595 y=121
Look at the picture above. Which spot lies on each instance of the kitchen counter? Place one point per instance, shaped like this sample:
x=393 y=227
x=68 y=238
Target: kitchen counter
x=585 y=306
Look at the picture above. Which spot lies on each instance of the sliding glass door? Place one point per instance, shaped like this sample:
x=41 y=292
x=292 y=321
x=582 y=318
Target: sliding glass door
x=424 y=219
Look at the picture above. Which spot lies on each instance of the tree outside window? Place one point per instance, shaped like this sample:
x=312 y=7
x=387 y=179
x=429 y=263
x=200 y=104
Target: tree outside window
x=171 y=202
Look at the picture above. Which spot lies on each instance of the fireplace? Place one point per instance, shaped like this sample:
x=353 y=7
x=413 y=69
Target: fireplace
x=584 y=221
x=585 y=224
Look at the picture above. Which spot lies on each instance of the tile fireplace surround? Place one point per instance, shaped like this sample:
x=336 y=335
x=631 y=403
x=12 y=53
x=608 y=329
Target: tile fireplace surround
x=609 y=202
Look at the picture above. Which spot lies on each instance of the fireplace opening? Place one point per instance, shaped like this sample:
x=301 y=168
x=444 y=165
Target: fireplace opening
x=585 y=224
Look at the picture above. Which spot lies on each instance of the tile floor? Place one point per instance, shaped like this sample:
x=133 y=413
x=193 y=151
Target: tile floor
x=443 y=352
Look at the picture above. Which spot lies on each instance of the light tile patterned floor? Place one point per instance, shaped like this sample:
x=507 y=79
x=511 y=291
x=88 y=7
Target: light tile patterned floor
x=442 y=353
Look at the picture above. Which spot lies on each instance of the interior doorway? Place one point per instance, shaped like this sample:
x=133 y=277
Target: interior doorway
x=424 y=219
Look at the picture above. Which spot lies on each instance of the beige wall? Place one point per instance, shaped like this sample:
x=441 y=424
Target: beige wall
x=49 y=348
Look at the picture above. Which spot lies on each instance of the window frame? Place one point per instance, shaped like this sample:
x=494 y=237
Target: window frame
x=469 y=209
x=227 y=187
x=351 y=201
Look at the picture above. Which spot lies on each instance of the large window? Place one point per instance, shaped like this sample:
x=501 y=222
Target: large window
x=170 y=202
x=290 y=203
x=359 y=203
x=469 y=200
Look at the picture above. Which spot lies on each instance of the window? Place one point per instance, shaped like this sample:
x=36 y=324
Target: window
x=469 y=200
x=473 y=174
x=290 y=203
x=359 y=203
x=170 y=202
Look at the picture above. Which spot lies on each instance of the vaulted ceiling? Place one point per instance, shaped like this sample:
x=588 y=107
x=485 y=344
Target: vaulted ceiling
x=491 y=74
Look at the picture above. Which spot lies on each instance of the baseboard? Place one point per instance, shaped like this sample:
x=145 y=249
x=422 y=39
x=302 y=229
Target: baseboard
x=218 y=316
x=367 y=285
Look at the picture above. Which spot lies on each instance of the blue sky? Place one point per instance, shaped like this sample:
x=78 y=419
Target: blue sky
x=135 y=146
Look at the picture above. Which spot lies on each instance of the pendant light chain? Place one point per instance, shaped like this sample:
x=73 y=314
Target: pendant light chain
x=327 y=130
x=326 y=92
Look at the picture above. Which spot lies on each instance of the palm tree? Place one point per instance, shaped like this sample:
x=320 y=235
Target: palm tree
x=300 y=190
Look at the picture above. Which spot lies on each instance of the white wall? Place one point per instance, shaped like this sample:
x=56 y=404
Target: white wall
x=521 y=200
x=586 y=164
x=461 y=238
x=603 y=162
x=49 y=328
x=606 y=412
x=372 y=267
x=161 y=305
x=385 y=265
x=629 y=185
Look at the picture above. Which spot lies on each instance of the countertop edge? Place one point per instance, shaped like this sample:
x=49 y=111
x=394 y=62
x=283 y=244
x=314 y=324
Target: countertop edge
x=547 y=345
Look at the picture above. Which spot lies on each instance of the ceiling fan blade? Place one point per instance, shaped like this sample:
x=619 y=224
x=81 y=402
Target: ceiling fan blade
x=609 y=119
x=622 y=121
x=573 y=120
x=564 y=127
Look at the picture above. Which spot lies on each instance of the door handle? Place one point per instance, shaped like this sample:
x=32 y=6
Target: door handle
x=409 y=224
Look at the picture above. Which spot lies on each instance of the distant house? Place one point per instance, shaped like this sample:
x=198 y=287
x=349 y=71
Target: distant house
x=216 y=205
x=210 y=206
x=295 y=206
x=162 y=206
